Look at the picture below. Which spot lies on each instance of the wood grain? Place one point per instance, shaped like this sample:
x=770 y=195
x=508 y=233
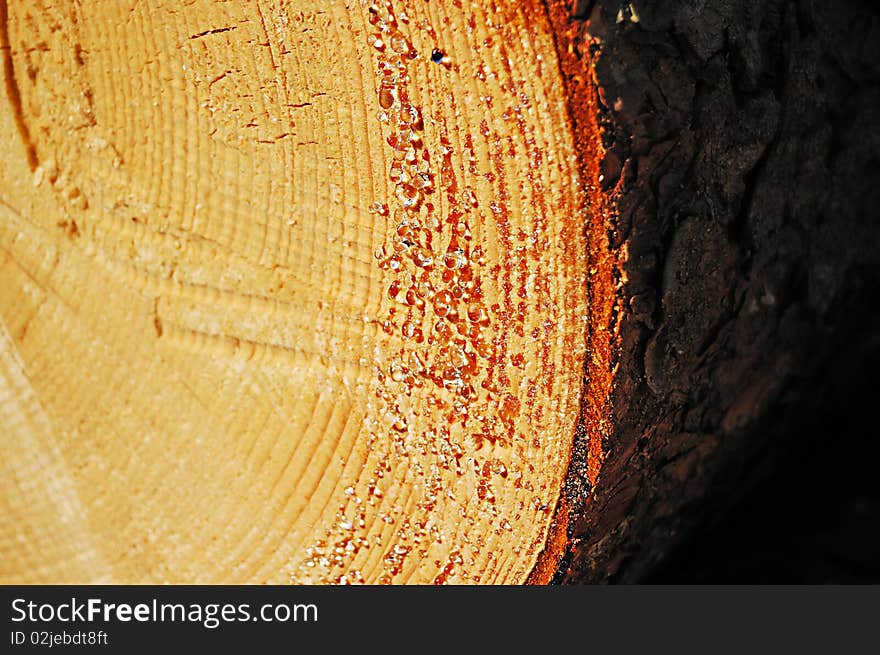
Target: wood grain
x=282 y=298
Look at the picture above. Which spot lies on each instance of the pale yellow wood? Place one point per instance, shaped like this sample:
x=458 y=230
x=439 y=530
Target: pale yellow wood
x=205 y=377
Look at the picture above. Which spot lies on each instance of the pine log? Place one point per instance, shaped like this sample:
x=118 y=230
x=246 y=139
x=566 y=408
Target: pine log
x=413 y=292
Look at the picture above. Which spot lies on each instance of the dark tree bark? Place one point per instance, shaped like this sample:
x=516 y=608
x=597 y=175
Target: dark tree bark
x=743 y=146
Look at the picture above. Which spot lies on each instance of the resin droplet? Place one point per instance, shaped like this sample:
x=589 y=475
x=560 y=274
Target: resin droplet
x=408 y=195
x=476 y=314
x=442 y=303
x=422 y=258
x=455 y=259
x=386 y=96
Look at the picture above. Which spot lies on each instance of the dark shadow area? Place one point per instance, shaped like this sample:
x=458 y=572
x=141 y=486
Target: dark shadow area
x=814 y=518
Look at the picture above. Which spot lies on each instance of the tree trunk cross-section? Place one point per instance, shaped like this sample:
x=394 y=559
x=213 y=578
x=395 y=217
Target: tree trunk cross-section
x=291 y=291
x=416 y=291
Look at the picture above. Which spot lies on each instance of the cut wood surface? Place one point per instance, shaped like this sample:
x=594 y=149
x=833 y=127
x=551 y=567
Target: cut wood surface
x=290 y=291
x=420 y=291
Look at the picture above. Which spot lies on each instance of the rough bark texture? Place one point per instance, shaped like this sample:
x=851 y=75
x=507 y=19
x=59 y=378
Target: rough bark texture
x=743 y=142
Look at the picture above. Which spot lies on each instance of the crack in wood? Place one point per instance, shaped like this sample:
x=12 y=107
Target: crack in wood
x=13 y=93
